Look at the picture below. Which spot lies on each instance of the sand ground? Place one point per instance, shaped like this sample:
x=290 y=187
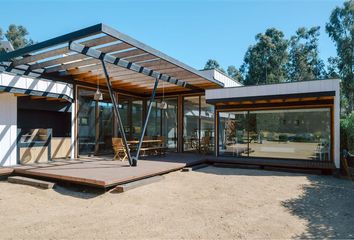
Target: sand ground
x=211 y=203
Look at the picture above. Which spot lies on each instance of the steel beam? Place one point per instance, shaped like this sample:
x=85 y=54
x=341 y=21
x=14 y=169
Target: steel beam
x=116 y=111
x=152 y=100
x=85 y=32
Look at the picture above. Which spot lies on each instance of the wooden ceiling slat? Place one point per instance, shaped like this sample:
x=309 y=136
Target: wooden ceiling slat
x=88 y=61
x=75 y=57
x=62 y=50
x=140 y=58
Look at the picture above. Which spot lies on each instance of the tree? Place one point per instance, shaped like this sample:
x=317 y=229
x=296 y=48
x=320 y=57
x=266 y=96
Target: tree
x=17 y=35
x=304 y=62
x=332 y=68
x=341 y=29
x=213 y=64
x=1 y=37
x=234 y=73
x=265 y=61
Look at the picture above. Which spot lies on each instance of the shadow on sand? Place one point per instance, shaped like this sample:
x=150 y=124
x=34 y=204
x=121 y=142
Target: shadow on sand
x=327 y=203
x=77 y=191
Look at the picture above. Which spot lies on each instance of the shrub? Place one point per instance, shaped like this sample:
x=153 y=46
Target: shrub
x=347 y=132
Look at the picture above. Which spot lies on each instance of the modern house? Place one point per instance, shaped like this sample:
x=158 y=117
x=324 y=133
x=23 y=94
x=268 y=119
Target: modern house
x=68 y=96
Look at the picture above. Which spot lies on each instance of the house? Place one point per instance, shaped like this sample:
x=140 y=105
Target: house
x=68 y=96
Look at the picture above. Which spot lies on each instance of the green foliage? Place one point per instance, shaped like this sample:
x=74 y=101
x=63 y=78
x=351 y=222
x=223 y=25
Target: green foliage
x=304 y=62
x=17 y=35
x=265 y=61
x=347 y=132
x=213 y=64
x=332 y=68
x=341 y=29
x=1 y=36
x=234 y=73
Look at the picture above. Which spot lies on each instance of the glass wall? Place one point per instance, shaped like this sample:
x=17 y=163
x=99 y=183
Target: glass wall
x=86 y=121
x=124 y=111
x=163 y=122
x=191 y=123
x=95 y=123
x=169 y=123
x=206 y=126
x=198 y=125
x=233 y=134
x=137 y=118
x=293 y=134
x=105 y=125
x=154 y=124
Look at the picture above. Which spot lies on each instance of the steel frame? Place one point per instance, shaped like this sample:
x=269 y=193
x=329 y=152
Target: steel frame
x=116 y=111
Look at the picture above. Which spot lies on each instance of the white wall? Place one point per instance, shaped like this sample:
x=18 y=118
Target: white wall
x=37 y=84
x=8 y=129
x=221 y=77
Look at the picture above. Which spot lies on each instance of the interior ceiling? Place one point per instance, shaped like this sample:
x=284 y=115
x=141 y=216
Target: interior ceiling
x=56 y=61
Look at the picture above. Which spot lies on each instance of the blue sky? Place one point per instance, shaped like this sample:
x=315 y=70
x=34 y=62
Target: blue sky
x=190 y=31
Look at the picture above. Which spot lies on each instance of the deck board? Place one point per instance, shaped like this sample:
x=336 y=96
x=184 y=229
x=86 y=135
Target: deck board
x=101 y=172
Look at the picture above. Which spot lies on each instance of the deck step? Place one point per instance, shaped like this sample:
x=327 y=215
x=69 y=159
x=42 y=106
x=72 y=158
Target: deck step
x=31 y=182
x=195 y=167
x=128 y=186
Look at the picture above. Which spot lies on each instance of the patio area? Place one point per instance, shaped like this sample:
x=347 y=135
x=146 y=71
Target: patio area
x=103 y=172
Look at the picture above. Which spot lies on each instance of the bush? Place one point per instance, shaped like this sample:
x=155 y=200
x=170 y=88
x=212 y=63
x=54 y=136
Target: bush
x=347 y=132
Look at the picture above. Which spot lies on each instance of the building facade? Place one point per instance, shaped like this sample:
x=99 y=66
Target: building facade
x=59 y=99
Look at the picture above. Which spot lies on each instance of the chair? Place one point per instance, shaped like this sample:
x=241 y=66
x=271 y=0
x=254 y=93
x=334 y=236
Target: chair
x=119 y=149
x=205 y=144
x=161 y=148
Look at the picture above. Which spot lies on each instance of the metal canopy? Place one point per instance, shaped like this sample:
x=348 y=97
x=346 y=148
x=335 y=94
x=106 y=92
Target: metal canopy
x=60 y=59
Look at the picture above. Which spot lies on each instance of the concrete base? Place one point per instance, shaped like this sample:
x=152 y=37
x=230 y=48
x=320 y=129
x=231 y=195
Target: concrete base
x=128 y=186
x=195 y=167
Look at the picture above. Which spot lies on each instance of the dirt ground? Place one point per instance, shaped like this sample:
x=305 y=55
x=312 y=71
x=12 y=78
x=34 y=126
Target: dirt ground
x=211 y=203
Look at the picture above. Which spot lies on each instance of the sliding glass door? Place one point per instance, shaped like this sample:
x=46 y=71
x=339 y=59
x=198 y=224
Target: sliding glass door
x=287 y=134
x=163 y=122
x=86 y=122
x=198 y=125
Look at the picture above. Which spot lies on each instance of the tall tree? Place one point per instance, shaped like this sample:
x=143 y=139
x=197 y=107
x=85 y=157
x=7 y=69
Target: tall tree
x=304 y=62
x=1 y=37
x=234 y=73
x=213 y=64
x=332 y=68
x=17 y=35
x=341 y=29
x=265 y=61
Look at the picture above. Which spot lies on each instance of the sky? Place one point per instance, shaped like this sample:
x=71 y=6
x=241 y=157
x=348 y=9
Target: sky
x=190 y=31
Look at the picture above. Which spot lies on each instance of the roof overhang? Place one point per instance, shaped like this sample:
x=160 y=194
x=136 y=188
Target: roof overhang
x=275 y=93
x=60 y=59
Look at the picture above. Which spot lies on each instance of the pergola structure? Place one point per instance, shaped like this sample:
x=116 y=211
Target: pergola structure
x=133 y=67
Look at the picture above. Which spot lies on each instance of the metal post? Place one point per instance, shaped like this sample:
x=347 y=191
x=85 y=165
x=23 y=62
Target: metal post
x=135 y=159
x=116 y=111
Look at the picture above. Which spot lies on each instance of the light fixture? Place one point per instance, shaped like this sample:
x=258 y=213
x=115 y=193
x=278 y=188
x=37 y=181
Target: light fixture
x=163 y=105
x=98 y=96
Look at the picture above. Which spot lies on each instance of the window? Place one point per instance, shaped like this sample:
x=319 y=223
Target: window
x=293 y=134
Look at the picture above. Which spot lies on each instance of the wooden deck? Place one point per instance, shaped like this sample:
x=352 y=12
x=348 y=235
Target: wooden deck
x=5 y=171
x=282 y=163
x=103 y=172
